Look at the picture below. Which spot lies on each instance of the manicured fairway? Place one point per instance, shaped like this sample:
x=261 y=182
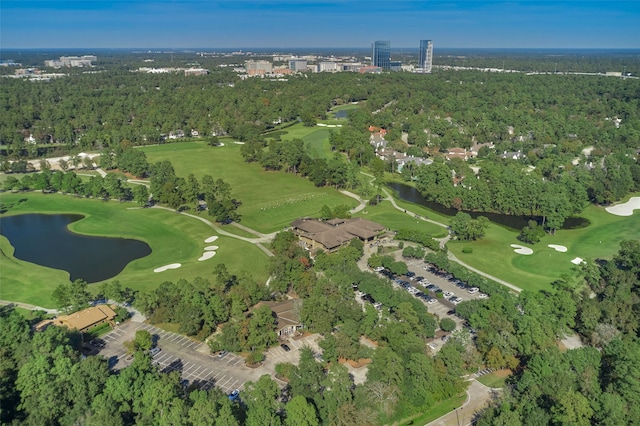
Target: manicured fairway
x=270 y=200
x=601 y=239
x=173 y=238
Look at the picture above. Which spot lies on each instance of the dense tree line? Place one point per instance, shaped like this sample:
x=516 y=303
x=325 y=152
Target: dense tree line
x=597 y=384
x=200 y=305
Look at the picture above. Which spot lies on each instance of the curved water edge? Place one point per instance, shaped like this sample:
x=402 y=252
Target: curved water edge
x=409 y=193
x=44 y=239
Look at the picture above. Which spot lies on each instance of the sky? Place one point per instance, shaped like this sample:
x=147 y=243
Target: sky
x=318 y=23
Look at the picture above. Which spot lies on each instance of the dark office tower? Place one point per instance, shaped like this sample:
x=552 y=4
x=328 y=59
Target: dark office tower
x=426 y=55
x=381 y=54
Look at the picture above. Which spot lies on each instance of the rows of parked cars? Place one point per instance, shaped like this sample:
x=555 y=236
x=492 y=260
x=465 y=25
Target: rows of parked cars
x=458 y=283
x=431 y=289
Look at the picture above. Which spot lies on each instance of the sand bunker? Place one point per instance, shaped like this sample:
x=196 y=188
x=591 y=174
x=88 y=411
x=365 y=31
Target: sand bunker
x=164 y=268
x=577 y=261
x=211 y=248
x=522 y=249
x=625 y=209
x=211 y=239
x=238 y=143
x=206 y=255
x=557 y=247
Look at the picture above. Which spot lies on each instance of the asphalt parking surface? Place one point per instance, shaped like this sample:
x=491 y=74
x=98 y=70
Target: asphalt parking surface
x=197 y=366
x=179 y=353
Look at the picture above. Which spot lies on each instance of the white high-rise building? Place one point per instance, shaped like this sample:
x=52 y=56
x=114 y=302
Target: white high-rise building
x=425 y=60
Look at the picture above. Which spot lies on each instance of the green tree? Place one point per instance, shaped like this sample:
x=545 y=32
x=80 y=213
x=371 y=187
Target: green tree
x=300 y=412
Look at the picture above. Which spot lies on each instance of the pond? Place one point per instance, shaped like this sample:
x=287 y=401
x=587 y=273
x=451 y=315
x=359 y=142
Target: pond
x=45 y=240
x=342 y=113
x=412 y=195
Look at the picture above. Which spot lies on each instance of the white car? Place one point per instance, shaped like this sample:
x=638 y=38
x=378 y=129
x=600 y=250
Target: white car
x=379 y=268
x=473 y=290
x=483 y=296
x=447 y=294
x=432 y=301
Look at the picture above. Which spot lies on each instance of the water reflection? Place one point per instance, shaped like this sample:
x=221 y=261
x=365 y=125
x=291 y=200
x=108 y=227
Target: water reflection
x=412 y=195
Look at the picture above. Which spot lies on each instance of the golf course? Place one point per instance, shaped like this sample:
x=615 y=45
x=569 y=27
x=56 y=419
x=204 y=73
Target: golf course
x=173 y=238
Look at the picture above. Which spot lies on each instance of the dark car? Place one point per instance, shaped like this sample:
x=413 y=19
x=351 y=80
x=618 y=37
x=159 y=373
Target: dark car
x=411 y=274
x=285 y=347
x=234 y=395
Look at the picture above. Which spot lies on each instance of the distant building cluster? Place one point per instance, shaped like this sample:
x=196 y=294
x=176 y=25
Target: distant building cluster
x=71 y=61
x=380 y=61
x=187 y=71
x=381 y=56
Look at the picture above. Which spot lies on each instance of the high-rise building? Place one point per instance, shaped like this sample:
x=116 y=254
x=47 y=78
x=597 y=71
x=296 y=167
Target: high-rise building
x=381 y=54
x=425 y=60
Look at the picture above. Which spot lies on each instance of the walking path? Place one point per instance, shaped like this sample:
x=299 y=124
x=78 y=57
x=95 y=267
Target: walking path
x=484 y=274
x=29 y=307
x=257 y=241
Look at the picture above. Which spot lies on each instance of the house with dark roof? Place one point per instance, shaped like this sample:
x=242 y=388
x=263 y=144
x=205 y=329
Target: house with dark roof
x=332 y=234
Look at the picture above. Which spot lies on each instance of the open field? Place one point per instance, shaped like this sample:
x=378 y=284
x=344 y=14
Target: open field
x=600 y=239
x=173 y=238
x=271 y=200
x=394 y=219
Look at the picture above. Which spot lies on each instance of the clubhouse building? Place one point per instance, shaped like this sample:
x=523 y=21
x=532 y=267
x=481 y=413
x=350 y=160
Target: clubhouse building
x=332 y=234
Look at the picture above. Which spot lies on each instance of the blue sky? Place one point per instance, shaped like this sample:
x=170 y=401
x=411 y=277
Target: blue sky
x=319 y=23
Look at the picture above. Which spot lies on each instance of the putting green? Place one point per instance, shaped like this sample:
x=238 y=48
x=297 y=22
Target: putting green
x=173 y=238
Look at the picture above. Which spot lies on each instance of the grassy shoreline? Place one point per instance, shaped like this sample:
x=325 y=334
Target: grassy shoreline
x=173 y=239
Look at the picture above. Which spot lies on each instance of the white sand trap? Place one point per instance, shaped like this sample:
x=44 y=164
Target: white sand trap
x=625 y=209
x=211 y=239
x=238 y=143
x=164 y=268
x=206 y=255
x=211 y=248
x=321 y=125
x=577 y=261
x=557 y=247
x=522 y=249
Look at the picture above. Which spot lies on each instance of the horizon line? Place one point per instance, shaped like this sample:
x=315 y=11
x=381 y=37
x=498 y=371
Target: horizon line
x=314 y=47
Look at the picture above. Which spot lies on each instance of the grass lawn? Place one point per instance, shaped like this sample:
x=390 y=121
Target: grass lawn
x=496 y=379
x=435 y=412
x=394 y=219
x=271 y=200
x=173 y=238
x=600 y=239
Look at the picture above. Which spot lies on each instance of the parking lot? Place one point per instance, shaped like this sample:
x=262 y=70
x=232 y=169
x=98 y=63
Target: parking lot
x=191 y=358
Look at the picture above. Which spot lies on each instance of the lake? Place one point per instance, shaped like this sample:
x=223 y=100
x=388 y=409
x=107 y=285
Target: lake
x=412 y=195
x=46 y=240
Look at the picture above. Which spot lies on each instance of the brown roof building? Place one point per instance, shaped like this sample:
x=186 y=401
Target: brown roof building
x=333 y=234
x=82 y=320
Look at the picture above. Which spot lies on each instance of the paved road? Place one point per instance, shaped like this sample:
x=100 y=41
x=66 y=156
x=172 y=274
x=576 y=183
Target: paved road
x=478 y=396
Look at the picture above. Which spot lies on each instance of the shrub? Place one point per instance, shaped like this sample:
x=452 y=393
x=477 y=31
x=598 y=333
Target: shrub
x=447 y=324
x=467 y=250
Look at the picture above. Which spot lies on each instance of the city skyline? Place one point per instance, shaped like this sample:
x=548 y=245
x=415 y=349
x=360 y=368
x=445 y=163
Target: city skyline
x=319 y=23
